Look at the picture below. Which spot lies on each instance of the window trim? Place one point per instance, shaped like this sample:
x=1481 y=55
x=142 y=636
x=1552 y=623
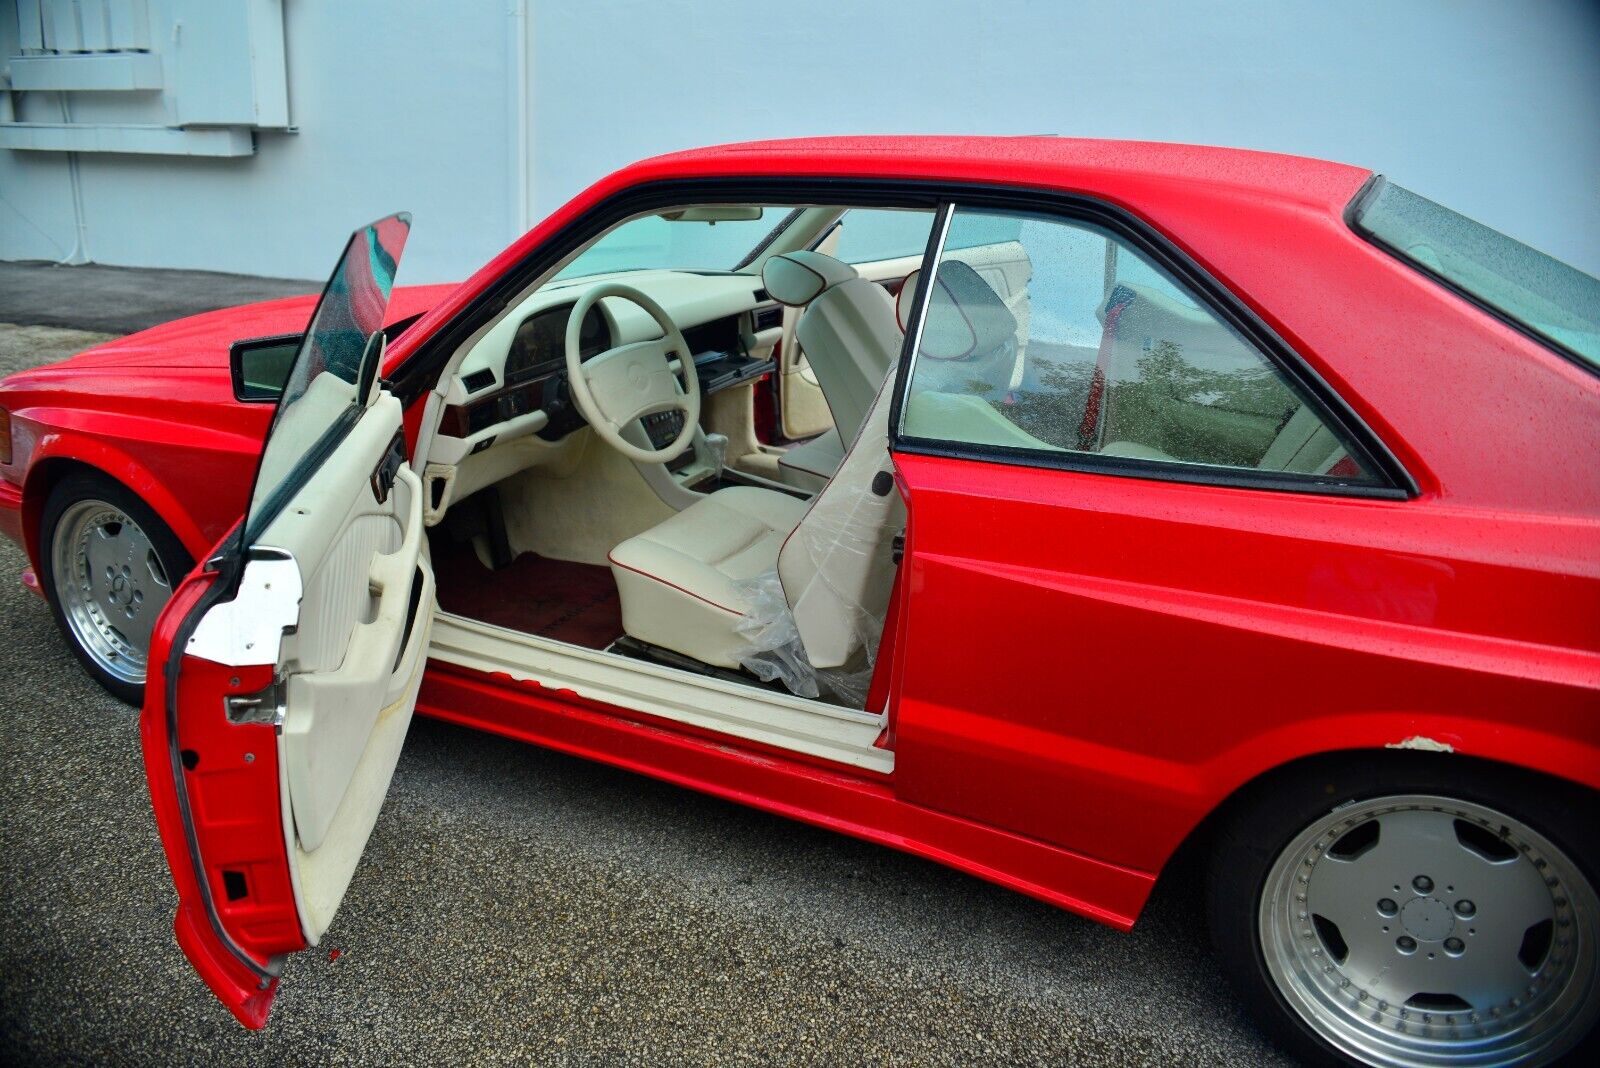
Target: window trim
x=1394 y=482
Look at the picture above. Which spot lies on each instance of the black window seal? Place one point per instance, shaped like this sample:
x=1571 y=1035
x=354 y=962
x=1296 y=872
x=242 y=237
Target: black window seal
x=416 y=375
x=1352 y=218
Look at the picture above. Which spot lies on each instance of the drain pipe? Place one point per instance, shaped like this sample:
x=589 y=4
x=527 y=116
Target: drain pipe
x=80 y=244
x=519 y=62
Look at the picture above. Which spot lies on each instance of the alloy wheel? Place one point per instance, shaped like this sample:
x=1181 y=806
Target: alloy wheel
x=110 y=584
x=1417 y=931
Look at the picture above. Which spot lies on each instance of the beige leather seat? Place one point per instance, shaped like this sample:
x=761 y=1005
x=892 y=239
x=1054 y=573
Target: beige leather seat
x=809 y=465
x=838 y=568
x=851 y=339
x=680 y=580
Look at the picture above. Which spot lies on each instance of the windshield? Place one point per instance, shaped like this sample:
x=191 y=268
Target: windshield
x=652 y=243
x=1545 y=297
x=323 y=390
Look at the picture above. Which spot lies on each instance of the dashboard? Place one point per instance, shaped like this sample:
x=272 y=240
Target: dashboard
x=519 y=369
x=539 y=346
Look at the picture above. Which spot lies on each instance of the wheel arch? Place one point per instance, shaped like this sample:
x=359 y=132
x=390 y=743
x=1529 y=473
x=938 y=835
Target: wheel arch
x=1193 y=847
x=60 y=456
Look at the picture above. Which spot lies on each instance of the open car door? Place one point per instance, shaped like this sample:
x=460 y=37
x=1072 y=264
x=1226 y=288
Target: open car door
x=285 y=669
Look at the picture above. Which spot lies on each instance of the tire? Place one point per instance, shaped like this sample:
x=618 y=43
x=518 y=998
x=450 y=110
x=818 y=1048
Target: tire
x=95 y=526
x=1466 y=888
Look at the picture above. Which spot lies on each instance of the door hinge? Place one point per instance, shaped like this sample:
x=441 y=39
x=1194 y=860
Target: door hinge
x=267 y=705
x=897 y=547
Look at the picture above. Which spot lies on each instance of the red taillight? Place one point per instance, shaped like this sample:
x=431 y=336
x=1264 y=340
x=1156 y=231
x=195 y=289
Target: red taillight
x=5 y=436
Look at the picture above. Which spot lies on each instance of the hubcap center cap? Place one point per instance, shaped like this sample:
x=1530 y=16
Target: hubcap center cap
x=1427 y=919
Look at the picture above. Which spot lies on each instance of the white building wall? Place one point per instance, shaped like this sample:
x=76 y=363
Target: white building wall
x=398 y=106
x=480 y=122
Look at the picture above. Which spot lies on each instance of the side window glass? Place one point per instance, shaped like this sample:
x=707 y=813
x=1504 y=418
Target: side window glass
x=1054 y=336
x=870 y=235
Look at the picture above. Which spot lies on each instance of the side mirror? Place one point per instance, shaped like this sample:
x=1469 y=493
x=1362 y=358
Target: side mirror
x=260 y=367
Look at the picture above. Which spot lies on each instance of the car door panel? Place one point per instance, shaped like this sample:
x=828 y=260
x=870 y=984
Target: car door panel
x=317 y=716
x=345 y=662
x=290 y=664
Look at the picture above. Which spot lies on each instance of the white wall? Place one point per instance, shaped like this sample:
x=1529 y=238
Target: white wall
x=1489 y=107
x=395 y=111
x=1492 y=108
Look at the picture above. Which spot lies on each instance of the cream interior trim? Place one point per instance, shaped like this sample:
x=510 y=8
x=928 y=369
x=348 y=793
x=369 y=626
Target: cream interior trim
x=815 y=728
x=350 y=669
x=320 y=877
x=577 y=505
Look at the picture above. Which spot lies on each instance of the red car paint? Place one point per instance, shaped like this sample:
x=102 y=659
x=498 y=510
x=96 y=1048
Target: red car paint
x=1162 y=645
x=239 y=762
x=154 y=410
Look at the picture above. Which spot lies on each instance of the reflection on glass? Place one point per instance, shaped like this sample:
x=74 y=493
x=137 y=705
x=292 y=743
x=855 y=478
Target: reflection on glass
x=1053 y=336
x=321 y=394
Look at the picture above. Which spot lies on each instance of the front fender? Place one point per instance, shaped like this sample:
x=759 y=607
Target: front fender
x=58 y=448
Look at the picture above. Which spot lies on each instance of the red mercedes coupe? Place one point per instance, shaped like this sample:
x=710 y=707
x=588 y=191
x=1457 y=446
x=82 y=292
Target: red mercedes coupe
x=1038 y=506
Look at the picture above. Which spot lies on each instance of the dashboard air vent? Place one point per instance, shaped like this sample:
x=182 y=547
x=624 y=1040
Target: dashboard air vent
x=478 y=380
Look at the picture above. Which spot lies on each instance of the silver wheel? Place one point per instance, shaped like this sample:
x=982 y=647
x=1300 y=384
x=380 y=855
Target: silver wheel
x=1425 y=931
x=110 y=584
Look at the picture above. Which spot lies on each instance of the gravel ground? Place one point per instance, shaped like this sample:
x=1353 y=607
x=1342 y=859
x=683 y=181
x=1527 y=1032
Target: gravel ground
x=520 y=906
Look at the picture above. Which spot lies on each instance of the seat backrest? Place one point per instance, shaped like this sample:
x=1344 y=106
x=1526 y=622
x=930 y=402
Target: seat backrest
x=837 y=567
x=847 y=330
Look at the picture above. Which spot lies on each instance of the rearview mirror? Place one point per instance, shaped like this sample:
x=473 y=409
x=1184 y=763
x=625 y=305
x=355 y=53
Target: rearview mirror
x=260 y=366
x=714 y=213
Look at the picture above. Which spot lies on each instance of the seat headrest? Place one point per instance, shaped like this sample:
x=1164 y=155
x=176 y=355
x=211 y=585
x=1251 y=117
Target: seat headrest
x=907 y=296
x=798 y=278
x=965 y=318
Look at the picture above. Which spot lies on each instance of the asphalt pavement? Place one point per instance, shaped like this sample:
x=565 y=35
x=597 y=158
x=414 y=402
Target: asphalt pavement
x=517 y=906
x=121 y=300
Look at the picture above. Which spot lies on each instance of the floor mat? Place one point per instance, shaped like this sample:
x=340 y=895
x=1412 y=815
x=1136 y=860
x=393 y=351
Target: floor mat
x=569 y=602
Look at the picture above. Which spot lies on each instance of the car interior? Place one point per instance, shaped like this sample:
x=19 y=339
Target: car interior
x=729 y=515
x=663 y=471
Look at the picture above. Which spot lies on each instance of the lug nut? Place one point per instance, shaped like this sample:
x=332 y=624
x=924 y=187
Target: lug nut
x=1406 y=944
x=1422 y=884
x=1465 y=908
x=1387 y=907
x=1454 y=946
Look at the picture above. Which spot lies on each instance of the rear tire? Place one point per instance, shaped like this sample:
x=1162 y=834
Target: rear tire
x=1413 y=911
x=108 y=565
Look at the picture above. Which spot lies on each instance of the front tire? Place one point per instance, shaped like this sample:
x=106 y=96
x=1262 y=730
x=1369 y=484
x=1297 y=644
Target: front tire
x=1417 y=911
x=109 y=566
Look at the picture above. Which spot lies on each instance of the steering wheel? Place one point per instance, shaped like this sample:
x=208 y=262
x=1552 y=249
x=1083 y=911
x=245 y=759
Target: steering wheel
x=631 y=381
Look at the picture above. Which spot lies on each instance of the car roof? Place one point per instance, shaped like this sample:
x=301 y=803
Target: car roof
x=1066 y=163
